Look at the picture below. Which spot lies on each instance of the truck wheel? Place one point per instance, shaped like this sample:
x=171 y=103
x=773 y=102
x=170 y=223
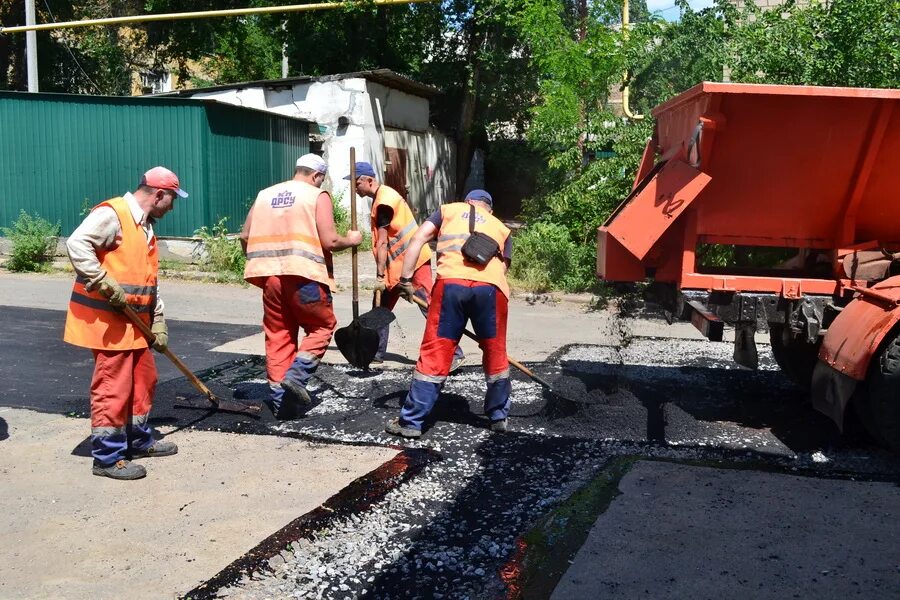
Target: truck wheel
x=797 y=358
x=883 y=386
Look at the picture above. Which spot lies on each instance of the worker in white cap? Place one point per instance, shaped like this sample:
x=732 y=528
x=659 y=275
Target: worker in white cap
x=114 y=254
x=288 y=239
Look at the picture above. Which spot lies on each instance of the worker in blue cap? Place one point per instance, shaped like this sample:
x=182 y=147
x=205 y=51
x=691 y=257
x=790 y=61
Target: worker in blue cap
x=393 y=225
x=474 y=251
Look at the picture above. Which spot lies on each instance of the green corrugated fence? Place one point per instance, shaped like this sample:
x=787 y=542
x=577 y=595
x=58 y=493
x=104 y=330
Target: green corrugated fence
x=61 y=154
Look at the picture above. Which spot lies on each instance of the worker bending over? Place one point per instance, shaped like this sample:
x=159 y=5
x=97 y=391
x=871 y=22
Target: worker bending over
x=114 y=254
x=288 y=239
x=471 y=285
x=393 y=226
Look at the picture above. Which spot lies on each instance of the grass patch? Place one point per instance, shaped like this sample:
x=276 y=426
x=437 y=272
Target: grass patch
x=546 y=549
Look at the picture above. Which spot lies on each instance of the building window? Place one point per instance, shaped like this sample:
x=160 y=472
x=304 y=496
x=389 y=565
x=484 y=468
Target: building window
x=155 y=82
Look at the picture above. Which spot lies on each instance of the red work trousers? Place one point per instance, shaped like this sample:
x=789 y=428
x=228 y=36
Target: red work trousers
x=291 y=303
x=123 y=382
x=453 y=303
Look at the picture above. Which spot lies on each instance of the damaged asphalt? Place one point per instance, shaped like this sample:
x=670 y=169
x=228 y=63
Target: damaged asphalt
x=457 y=517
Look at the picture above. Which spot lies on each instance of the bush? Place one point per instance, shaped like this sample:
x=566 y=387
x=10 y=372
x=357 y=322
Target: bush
x=342 y=222
x=545 y=257
x=34 y=242
x=223 y=250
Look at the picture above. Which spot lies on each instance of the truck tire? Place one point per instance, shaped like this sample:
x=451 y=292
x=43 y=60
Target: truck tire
x=883 y=385
x=796 y=358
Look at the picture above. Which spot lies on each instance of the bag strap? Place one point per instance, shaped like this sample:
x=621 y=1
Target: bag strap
x=471 y=219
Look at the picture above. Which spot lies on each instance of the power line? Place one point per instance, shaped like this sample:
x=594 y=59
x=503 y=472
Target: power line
x=72 y=54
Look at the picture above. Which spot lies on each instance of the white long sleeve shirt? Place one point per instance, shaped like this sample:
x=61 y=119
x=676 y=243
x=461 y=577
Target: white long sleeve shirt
x=101 y=229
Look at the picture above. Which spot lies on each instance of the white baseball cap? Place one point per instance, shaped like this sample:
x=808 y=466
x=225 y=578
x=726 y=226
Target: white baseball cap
x=312 y=161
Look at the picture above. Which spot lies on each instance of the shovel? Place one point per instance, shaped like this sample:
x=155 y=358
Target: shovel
x=358 y=341
x=209 y=400
x=575 y=390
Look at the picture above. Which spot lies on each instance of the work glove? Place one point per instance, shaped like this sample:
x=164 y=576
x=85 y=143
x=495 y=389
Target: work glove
x=379 y=284
x=113 y=292
x=161 y=332
x=406 y=289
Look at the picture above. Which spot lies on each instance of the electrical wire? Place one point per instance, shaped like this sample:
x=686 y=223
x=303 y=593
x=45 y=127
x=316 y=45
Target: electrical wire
x=72 y=54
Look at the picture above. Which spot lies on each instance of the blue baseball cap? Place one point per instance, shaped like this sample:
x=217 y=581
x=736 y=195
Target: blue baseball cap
x=363 y=169
x=481 y=196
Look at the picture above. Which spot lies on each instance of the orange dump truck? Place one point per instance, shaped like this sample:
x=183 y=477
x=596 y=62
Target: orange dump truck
x=812 y=171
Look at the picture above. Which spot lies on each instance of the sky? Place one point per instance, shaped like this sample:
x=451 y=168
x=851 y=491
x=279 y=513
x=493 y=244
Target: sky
x=668 y=10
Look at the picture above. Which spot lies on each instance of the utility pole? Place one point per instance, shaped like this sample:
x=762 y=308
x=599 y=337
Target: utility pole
x=31 y=48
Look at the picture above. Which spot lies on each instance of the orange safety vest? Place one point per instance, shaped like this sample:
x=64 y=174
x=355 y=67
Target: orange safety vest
x=283 y=238
x=400 y=233
x=453 y=234
x=91 y=321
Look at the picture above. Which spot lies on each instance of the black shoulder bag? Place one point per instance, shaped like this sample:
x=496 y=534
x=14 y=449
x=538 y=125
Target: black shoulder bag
x=479 y=248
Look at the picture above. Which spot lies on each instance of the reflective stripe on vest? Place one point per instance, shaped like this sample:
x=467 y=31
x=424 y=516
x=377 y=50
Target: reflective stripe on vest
x=453 y=234
x=400 y=233
x=283 y=238
x=91 y=322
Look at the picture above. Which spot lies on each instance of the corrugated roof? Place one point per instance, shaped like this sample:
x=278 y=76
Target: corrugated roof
x=385 y=77
x=130 y=100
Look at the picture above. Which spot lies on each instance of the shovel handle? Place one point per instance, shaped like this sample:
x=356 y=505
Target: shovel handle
x=512 y=361
x=353 y=251
x=134 y=318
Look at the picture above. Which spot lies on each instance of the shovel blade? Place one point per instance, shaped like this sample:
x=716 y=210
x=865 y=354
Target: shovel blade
x=377 y=318
x=357 y=344
x=229 y=406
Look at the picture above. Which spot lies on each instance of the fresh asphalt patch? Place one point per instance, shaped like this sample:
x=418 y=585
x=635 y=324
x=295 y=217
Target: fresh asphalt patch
x=41 y=372
x=452 y=530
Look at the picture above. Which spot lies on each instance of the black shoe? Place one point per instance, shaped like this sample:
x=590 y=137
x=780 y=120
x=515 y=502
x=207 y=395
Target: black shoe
x=295 y=397
x=122 y=469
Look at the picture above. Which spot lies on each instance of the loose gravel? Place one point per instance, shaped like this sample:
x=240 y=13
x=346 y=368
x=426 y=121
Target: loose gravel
x=447 y=532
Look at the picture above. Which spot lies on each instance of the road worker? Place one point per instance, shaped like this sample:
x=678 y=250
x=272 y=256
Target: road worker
x=288 y=239
x=114 y=254
x=465 y=290
x=393 y=225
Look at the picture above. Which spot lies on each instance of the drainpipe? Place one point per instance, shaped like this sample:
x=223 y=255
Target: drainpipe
x=625 y=90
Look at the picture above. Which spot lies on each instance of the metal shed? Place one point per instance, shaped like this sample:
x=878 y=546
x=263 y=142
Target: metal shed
x=62 y=154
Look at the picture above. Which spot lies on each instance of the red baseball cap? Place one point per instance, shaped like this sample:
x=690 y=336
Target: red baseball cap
x=163 y=179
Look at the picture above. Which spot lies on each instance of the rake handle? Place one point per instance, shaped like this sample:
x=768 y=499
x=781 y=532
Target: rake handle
x=134 y=318
x=512 y=361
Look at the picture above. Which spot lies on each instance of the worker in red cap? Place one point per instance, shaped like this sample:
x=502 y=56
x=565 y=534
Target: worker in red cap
x=471 y=285
x=288 y=239
x=114 y=254
x=393 y=225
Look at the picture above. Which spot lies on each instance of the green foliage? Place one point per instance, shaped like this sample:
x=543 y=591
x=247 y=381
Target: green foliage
x=841 y=43
x=34 y=242
x=222 y=250
x=342 y=222
x=545 y=257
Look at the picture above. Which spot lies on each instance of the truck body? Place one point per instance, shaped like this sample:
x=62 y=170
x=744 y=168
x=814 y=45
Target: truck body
x=812 y=173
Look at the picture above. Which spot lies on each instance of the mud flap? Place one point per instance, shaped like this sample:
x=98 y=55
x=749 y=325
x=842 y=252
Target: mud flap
x=831 y=392
x=745 y=353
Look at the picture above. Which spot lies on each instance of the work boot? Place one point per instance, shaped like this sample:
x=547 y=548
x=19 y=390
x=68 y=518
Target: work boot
x=395 y=428
x=294 y=393
x=499 y=426
x=157 y=448
x=122 y=469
